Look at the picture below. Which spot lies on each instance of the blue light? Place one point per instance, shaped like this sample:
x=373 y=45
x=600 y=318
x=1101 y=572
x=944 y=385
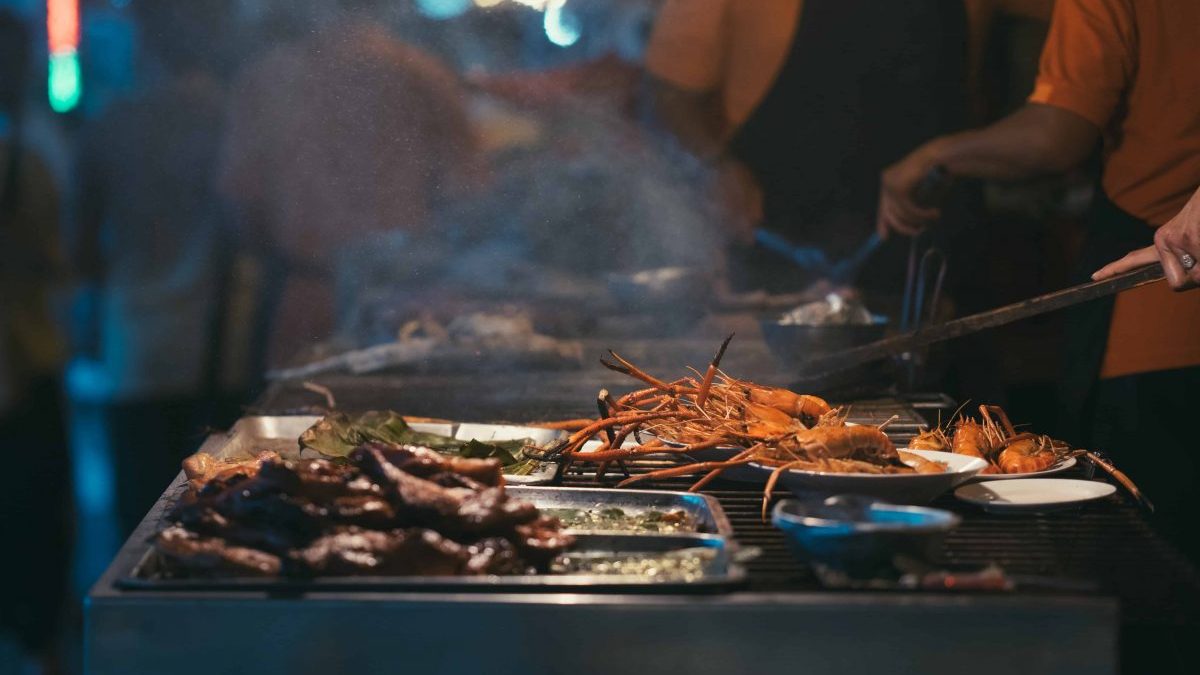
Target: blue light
x=443 y=9
x=563 y=27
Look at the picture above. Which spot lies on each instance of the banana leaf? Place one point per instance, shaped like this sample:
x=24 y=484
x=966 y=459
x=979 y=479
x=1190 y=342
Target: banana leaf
x=337 y=434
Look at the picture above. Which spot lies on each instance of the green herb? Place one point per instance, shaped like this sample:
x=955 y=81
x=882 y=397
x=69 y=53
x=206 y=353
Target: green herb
x=336 y=435
x=617 y=519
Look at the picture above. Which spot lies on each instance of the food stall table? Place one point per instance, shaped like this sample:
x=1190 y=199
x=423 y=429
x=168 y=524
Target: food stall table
x=1102 y=582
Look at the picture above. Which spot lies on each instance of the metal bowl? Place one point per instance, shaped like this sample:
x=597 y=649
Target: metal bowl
x=676 y=289
x=795 y=343
x=859 y=536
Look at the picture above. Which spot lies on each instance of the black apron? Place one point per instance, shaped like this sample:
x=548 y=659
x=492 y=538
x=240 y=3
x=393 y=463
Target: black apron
x=1143 y=421
x=1111 y=233
x=864 y=83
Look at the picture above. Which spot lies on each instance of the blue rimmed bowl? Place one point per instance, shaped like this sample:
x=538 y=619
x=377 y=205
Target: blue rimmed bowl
x=859 y=536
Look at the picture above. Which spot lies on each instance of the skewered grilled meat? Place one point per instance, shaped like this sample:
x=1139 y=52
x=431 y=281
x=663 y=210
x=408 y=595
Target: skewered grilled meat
x=392 y=510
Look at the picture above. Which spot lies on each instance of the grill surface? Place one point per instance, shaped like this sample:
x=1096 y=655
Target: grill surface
x=1107 y=544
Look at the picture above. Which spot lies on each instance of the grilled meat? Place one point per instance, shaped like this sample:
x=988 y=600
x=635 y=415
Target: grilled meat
x=371 y=552
x=392 y=510
x=212 y=555
x=425 y=463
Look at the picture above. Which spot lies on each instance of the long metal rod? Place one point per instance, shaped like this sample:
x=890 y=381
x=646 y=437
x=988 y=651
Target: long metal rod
x=898 y=344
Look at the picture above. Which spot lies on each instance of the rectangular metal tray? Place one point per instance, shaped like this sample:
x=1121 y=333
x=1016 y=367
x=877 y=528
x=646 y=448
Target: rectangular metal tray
x=281 y=434
x=705 y=510
x=722 y=573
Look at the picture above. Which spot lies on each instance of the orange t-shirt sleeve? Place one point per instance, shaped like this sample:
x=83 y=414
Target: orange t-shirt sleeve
x=687 y=46
x=1088 y=60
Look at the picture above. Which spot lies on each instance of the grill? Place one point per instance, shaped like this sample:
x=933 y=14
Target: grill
x=1106 y=547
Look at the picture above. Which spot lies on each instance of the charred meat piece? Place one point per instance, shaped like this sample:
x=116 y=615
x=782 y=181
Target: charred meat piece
x=541 y=540
x=424 y=462
x=202 y=468
x=363 y=510
x=206 y=521
x=454 y=480
x=315 y=479
x=414 y=552
x=211 y=555
x=490 y=512
x=298 y=519
x=495 y=556
x=425 y=501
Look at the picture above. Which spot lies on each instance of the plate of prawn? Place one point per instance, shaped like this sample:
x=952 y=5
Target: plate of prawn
x=929 y=475
x=745 y=430
x=1009 y=454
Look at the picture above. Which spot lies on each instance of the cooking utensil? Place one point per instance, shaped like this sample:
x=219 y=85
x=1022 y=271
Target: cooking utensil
x=824 y=365
x=794 y=343
x=679 y=289
x=1102 y=463
x=815 y=260
x=930 y=192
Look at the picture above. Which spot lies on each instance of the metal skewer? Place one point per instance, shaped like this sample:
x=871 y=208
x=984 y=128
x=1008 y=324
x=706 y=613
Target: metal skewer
x=823 y=365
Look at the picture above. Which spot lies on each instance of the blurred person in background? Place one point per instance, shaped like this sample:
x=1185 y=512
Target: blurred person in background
x=152 y=249
x=798 y=104
x=35 y=503
x=1121 y=76
x=343 y=135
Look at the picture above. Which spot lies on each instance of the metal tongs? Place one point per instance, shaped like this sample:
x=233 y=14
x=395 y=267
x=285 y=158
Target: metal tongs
x=921 y=264
x=1101 y=462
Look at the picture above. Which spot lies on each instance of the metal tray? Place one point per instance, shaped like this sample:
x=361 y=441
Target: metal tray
x=281 y=434
x=705 y=510
x=720 y=573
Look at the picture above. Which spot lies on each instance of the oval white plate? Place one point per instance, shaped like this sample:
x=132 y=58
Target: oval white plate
x=1032 y=494
x=901 y=488
x=1062 y=465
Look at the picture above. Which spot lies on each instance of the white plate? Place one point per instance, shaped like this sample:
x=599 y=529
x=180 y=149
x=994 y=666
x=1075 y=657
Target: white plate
x=1032 y=495
x=723 y=453
x=902 y=488
x=1062 y=465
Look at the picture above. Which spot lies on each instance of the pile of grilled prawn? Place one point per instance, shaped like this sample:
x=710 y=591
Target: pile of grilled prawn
x=771 y=426
x=994 y=439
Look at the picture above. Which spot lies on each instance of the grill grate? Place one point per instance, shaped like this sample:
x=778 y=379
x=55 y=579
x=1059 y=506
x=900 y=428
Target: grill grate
x=1107 y=543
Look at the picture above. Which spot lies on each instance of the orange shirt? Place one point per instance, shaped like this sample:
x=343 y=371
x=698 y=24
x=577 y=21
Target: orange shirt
x=1132 y=68
x=733 y=48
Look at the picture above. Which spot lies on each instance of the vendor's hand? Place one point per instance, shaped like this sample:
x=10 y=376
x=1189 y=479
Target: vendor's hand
x=1174 y=243
x=741 y=198
x=898 y=209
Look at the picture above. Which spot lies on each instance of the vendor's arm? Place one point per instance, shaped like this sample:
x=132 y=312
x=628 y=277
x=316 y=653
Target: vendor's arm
x=1086 y=66
x=1179 y=237
x=1037 y=139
